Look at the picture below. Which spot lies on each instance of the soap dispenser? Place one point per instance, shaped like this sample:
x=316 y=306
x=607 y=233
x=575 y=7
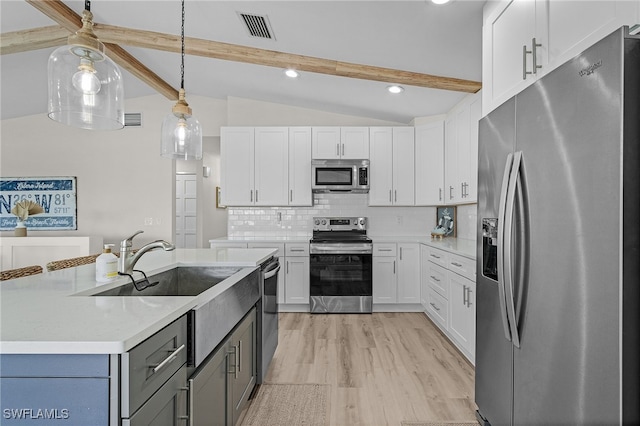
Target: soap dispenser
x=106 y=265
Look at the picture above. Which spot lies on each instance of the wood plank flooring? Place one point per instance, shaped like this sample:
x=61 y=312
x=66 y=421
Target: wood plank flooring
x=383 y=368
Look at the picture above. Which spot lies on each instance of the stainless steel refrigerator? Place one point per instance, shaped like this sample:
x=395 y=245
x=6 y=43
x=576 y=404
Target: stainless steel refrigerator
x=558 y=279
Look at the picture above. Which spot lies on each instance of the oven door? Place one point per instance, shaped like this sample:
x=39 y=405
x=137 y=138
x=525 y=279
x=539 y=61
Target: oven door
x=341 y=283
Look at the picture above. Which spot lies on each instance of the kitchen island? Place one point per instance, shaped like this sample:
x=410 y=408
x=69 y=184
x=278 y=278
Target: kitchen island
x=68 y=355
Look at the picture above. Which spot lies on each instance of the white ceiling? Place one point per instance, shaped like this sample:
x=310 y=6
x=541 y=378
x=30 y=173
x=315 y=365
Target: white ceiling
x=416 y=36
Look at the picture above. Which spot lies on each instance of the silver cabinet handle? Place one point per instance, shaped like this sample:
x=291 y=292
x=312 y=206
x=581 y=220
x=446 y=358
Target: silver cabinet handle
x=235 y=361
x=534 y=49
x=525 y=52
x=296 y=250
x=395 y=195
x=389 y=195
x=251 y=195
x=400 y=253
x=439 y=194
x=342 y=149
x=256 y=195
x=434 y=306
x=456 y=264
x=384 y=249
x=434 y=255
x=434 y=278
x=464 y=295
x=451 y=192
x=394 y=267
x=172 y=356
x=190 y=396
x=469 y=297
x=287 y=266
x=338 y=149
x=239 y=355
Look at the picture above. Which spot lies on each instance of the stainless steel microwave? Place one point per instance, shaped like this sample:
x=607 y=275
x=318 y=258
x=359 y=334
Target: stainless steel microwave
x=340 y=176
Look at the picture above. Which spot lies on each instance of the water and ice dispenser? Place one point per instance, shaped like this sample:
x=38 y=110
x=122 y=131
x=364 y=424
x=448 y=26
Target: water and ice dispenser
x=490 y=248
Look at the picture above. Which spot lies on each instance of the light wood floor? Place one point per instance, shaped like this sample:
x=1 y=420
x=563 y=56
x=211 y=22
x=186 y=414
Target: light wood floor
x=383 y=368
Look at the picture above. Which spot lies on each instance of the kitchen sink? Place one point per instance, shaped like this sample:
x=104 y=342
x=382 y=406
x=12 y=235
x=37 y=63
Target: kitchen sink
x=180 y=281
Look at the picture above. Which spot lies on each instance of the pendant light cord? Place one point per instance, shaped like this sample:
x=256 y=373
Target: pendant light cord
x=182 y=64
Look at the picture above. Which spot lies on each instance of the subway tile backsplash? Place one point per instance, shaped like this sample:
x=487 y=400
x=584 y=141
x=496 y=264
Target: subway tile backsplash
x=257 y=222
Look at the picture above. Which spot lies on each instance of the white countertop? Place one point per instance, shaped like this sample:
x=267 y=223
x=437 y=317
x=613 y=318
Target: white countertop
x=53 y=312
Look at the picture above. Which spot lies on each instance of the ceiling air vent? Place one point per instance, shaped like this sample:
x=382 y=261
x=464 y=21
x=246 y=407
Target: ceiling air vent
x=258 y=26
x=132 y=119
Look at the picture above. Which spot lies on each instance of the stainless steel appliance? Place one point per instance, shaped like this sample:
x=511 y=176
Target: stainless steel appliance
x=268 y=311
x=340 y=176
x=558 y=246
x=340 y=266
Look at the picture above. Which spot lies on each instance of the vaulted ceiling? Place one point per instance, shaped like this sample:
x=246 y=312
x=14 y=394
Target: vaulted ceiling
x=348 y=52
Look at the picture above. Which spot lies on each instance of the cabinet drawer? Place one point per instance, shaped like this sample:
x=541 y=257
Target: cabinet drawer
x=296 y=249
x=384 y=249
x=438 y=257
x=438 y=308
x=463 y=266
x=150 y=364
x=278 y=246
x=437 y=276
x=226 y=244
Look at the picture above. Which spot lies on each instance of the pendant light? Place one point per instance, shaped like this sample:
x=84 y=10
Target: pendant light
x=85 y=86
x=181 y=132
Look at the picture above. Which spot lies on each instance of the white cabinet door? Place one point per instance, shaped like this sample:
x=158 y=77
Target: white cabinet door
x=462 y=312
x=354 y=143
x=237 y=177
x=452 y=192
x=429 y=164
x=325 y=143
x=569 y=36
x=408 y=273
x=381 y=166
x=470 y=178
x=297 y=280
x=424 y=277
x=403 y=166
x=384 y=280
x=271 y=166
x=300 y=166
x=511 y=26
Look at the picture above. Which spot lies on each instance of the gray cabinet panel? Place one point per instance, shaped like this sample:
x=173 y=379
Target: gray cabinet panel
x=66 y=401
x=36 y=365
x=209 y=391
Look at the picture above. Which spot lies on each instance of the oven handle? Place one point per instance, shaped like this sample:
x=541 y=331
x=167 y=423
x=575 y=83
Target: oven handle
x=341 y=250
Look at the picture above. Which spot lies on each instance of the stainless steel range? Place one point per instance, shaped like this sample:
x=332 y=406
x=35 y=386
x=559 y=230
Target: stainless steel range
x=340 y=256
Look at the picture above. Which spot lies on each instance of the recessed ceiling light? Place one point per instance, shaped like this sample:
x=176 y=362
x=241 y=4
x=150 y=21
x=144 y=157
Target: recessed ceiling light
x=440 y=1
x=395 y=89
x=291 y=73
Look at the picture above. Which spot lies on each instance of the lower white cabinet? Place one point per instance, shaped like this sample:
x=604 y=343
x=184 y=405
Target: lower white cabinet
x=396 y=273
x=296 y=271
x=450 y=300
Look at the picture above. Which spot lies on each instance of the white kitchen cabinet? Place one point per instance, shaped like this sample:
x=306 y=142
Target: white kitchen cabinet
x=260 y=167
x=429 y=164
x=396 y=273
x=271 y=166
x=296 y=273
x=408 y=273
x=391 y=152
x=340 y=143
x=462 y=312
x=561 y=30
x=300 y=166
x=461 y=148
x=384 y=269
x=237 y=171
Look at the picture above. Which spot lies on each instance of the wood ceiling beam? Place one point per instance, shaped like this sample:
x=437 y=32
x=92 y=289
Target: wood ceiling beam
x=33 y=39
x=72 y=22
x=238 y=53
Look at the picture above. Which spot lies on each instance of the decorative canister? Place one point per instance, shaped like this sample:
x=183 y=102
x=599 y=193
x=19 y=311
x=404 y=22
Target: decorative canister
x=21 y=229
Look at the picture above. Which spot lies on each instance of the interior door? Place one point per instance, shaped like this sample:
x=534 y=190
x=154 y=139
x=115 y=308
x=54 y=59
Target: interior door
x=186 y=211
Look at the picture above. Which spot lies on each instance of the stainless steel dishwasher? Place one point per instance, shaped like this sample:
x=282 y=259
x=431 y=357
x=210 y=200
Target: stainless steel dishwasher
x=268 y=312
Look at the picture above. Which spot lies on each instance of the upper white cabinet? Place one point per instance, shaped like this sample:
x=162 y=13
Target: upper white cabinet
x=391 y=152
x=300 y=166
x=340 y=142
x=256 y=166
x=525 y=39
x=429 y=164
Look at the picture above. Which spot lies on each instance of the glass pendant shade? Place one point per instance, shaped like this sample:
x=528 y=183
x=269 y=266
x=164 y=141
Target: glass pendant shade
x=85 y=86
x=181 y=133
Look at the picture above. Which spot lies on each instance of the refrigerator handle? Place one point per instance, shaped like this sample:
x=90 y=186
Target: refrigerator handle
x=501 y=217
x=508 y=250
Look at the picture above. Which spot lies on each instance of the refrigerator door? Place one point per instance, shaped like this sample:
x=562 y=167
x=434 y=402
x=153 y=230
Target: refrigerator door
x=494 y=354
x=568 y=127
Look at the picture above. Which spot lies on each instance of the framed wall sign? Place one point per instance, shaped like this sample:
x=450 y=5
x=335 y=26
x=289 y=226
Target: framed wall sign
x=56 y=195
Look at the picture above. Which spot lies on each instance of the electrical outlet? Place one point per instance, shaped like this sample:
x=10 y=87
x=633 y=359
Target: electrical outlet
x=399 y=220
x=148 y=221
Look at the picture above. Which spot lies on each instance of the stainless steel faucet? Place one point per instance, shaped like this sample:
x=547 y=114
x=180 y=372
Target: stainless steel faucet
x=128 y=259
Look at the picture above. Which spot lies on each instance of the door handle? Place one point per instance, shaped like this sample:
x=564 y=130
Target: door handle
x=534 y=54
x=525 y=52
x=508 y=258
x=172 y=356
x=451 y=192
x=501 y=227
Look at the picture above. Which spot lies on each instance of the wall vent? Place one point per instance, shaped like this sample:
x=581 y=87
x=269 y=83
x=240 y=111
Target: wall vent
x=257 y=26
x=132 y=119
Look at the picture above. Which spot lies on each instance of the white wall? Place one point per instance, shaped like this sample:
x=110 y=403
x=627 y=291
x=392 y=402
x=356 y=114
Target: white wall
x=121 y=178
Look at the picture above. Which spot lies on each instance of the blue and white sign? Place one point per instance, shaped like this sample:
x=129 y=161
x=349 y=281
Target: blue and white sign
x=56 y=195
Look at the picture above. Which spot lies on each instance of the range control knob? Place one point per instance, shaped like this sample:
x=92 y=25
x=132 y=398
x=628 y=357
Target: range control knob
x=324 y=222
x=361 y=221
x=317 y=222
x=355 y=221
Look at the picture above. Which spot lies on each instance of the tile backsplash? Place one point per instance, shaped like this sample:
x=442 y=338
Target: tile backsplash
x=383 y=221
